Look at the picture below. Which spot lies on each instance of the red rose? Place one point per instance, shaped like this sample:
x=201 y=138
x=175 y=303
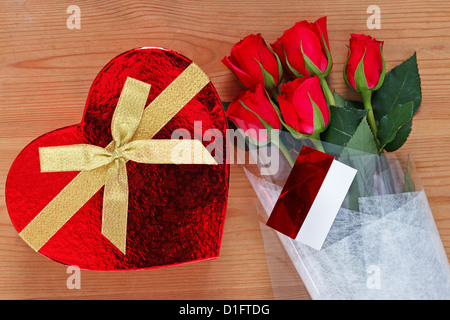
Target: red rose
x=366 y=53
x=254 y=63
x=303 y=106
x=249 y=108
x=304 y=49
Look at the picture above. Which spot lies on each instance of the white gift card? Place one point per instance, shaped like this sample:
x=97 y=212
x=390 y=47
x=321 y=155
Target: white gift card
x=311 y=197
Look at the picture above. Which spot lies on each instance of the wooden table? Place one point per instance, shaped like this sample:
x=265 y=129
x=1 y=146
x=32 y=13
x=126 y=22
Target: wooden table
x=46 y=70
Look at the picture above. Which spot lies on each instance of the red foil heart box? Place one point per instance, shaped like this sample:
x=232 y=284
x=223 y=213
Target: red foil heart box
x=176 y=212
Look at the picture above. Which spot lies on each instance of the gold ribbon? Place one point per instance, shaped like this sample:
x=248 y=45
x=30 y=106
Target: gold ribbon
x=132 y=128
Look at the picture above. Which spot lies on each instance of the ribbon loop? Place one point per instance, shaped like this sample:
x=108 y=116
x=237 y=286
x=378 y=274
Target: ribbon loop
x=77 y=157
x=129 y=110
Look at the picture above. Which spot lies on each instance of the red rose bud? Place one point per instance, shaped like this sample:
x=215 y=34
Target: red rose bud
x=365 y=67
x=253 y=110
x=303 y=106
x=254 y=63
x=304 y=49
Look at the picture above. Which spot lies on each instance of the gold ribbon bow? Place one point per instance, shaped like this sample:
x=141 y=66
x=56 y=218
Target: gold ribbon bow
x=107 y=166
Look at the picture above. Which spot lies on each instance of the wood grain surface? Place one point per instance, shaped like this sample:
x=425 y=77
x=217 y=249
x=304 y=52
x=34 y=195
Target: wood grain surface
x=46 y=70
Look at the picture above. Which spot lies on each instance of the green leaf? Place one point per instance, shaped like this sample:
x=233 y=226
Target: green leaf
x=280 y=66
x=401 y=85
x=264 y=123
x=269 y=81
x=362 y=139
x=294 y=72
x=343 y=124
x=383 y=72
x=319 y=123
x=330 y=60
x=354 y=104
x=310 y=66
x=400 y=138
x=360 y=76
x=340 y=101
x=391 y=123
x=345 y=68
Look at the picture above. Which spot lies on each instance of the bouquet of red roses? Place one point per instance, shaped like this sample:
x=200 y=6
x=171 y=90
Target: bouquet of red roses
x=385 y=223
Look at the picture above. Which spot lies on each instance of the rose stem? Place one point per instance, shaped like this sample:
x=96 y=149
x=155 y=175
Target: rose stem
x=367 y=97
x=327 y=92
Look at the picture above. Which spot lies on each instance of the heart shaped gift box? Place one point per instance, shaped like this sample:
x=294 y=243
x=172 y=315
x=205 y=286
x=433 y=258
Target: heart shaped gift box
x=121 y=214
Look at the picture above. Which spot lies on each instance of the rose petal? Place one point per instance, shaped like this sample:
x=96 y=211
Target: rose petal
x=246 y=80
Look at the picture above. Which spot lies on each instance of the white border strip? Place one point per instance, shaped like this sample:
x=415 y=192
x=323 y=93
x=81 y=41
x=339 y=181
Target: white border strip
x=325 y=207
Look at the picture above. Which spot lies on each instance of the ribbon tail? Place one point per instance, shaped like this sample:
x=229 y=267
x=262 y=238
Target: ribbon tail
x=63 y=207
x=115 y=205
